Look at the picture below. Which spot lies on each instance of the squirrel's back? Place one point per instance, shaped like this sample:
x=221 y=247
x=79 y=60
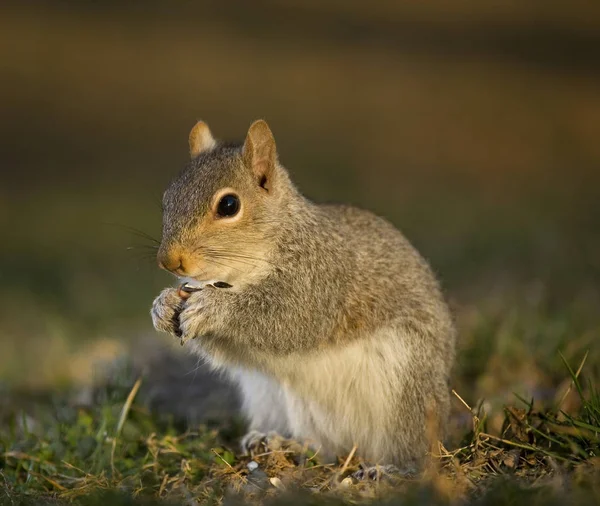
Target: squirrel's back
x=380 y=277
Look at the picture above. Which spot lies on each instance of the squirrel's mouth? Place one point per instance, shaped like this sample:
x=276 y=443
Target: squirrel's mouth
x=193 y=284
x=186 y=289
x=196 y=284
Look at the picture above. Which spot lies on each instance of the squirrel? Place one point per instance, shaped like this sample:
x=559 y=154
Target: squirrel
x=329 y=320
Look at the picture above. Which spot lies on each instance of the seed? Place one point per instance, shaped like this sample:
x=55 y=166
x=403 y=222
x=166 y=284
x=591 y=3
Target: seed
x=186 y=290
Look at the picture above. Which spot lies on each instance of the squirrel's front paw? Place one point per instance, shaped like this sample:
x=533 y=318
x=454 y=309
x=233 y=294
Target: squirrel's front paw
x=194 y=318
x=165 y=311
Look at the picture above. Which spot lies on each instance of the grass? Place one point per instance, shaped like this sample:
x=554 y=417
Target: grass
x=113 y=448
x=526 y=430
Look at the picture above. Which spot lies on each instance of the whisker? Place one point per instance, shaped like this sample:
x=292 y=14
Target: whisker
x=228 y=255
x=223 y=257
x=146 y=247
x=135 y=231
x=232 y=254
x=222 y=264
x=148 y=259
x=199 y=364
x=197 y=249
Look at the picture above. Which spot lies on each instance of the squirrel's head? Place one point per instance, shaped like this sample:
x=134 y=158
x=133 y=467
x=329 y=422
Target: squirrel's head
x=223 y=211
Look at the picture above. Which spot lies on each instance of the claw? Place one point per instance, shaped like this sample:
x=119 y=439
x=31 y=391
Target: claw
x=252 y=441
x=375 y=473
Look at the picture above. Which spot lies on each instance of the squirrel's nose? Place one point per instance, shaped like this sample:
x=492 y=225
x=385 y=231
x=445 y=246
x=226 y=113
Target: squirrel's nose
x=171 y=263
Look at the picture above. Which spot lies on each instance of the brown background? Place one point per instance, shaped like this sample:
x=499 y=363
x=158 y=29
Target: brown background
x=474 y=127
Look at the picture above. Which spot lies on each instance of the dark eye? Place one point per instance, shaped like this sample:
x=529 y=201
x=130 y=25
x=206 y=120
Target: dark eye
x=228 y=206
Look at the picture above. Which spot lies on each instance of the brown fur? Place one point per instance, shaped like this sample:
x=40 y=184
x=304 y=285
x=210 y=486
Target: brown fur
x=335 y=327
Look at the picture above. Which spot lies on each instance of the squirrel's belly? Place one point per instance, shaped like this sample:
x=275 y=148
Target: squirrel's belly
x=348 y=396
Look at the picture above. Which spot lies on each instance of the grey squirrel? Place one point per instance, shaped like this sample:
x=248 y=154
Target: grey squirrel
x=331 y=323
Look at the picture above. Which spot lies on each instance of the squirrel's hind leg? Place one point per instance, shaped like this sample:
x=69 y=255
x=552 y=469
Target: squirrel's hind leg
x=376 y=473
x=263 y=404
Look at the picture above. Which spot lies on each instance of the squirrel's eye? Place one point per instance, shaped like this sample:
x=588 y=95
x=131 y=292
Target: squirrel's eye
x=228 y=206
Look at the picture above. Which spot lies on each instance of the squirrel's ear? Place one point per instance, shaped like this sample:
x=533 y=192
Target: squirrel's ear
x=200 y=139
x=259 y=151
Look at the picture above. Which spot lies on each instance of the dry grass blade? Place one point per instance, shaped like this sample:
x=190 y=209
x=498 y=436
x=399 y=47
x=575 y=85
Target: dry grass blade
x=523 y=446
x=122 y=418
x=56 y=485
x=462 y=400
x=127 y=406
x=234 y=471
x=347 y=461
x=572 y=384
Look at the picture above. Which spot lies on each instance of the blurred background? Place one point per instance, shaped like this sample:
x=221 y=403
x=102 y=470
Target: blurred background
x=473 y=126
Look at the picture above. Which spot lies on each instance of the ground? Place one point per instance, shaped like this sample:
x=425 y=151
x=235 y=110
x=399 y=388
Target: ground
x=141 y=433
x=472 y=126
